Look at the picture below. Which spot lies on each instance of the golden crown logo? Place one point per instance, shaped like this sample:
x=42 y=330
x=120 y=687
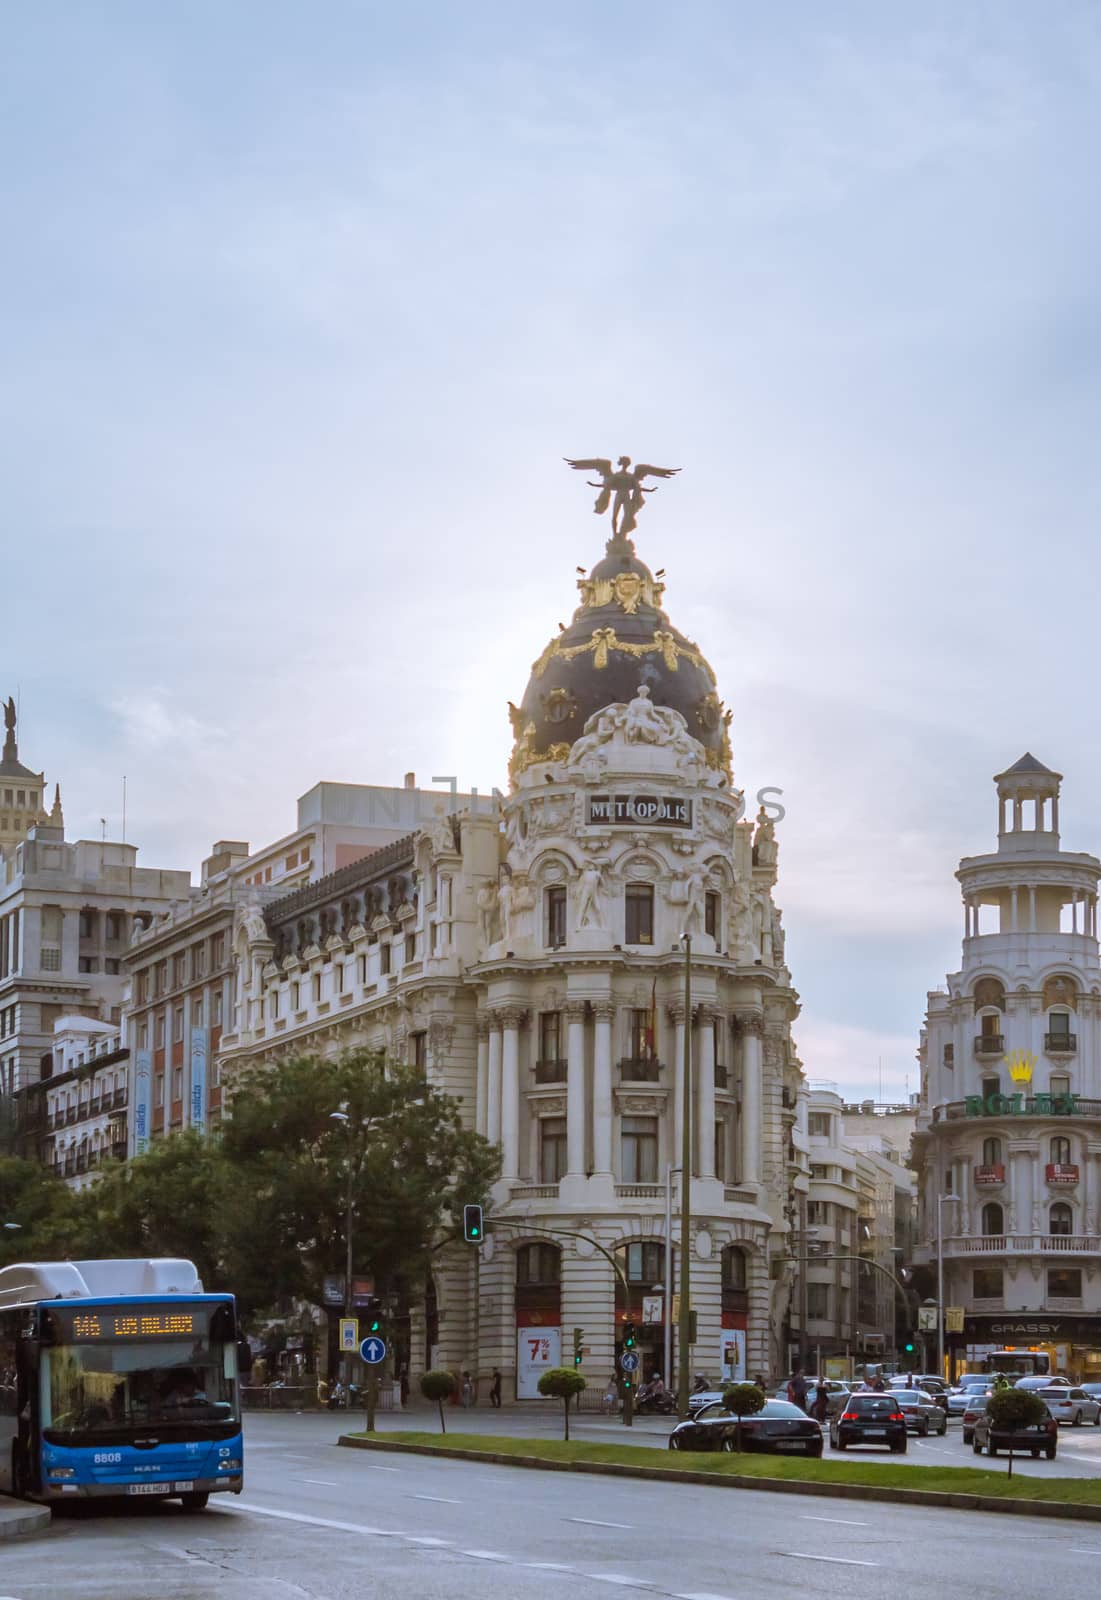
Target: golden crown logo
x=1020 y=1064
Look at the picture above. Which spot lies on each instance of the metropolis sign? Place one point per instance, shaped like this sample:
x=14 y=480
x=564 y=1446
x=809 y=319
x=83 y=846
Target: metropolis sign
x=628 y=810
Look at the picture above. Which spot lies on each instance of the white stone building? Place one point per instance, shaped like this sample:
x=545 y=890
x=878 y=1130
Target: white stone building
x=531 y=957
x=1009 y=1121
x=84 y=1090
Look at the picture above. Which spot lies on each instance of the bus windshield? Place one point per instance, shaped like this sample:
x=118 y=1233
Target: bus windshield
x=95 y=1380
x=1023 y=1363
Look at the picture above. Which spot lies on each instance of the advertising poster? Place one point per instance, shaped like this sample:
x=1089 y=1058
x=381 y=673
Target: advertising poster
x=199 y=1051
x=537 y=1349
x=143 y=1075
x=733 y=1355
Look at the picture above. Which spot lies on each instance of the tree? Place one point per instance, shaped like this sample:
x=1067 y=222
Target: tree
x=745 y=1400
x=562 y=1383
x=1012 y=1409
x=43 y=1207
x=411 y=1163
x=437 y=1385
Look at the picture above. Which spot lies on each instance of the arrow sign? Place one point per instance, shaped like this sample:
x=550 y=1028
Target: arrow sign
x=629 y=1361
x=373 y=1351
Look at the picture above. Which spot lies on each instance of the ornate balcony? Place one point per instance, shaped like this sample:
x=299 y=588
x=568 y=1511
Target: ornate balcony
x=551 y=1071
x=995 y=1173
x=639 y=1069
x=1061 y=1044
x=1060 y=1172
x=990 y=1044
x=1024 y=1244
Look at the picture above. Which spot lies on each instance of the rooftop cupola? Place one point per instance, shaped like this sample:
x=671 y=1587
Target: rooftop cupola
x=1028 y=807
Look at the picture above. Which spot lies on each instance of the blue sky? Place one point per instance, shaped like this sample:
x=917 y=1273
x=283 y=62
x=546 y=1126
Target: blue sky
x=303 y=305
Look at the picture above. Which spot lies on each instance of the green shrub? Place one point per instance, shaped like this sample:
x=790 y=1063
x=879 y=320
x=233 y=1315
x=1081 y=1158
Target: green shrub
x=745 y=1400
x=437 y=1385
x=562 y=1383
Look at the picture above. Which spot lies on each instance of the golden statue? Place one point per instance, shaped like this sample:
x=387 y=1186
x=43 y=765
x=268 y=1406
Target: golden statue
x=625 y=485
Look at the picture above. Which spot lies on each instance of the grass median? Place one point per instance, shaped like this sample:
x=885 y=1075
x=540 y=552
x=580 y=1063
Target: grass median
x=940 y=1480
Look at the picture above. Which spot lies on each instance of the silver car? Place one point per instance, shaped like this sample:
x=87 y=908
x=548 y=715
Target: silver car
x=1071 y=1405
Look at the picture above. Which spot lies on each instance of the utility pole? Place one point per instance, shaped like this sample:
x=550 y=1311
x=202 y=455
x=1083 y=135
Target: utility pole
x=685 y=1189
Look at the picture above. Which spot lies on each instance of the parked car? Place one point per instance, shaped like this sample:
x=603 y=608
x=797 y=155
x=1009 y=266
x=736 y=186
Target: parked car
x=870 y=1418
x=1039 y=1436
x=921 y=1411
x=976 y=1406
x=780 y=1428
x=1071 y=1405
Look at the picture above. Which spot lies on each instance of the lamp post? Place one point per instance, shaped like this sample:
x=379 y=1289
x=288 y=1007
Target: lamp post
x=667 y=1301
x=684 y=1326
x=349 y=1211
x=941 y=1198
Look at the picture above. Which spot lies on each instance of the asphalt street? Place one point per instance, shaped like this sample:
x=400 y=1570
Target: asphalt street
x=326 y=1523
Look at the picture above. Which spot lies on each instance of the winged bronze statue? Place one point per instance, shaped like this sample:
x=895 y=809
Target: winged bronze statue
x=625 y=485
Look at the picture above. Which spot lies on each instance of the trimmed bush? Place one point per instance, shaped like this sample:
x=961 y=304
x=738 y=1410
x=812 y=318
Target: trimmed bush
x=745 y=1400
x=562 y=1383
x=437 y=1385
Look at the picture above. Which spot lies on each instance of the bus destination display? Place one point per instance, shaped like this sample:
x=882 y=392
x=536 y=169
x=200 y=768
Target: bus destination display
x=104 y=1324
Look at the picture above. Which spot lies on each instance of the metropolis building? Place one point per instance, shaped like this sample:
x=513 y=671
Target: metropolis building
x=1008 y=1142
x=528 y=951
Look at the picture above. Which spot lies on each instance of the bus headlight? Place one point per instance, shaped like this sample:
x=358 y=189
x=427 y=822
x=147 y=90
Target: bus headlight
x=62 y=1472
x=229 y=1465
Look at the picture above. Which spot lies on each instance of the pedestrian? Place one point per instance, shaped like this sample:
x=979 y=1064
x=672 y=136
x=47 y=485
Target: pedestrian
x=323 y=1393
x=759 y=1380
x=611 y=1396
x=495 y=1389
x=820 y=1409
x=467 y=1391
x=404 y=1386
x=797 y=1387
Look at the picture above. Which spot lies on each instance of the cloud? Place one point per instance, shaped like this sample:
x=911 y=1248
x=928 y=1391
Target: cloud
x=150 y=722
x=861 y=1063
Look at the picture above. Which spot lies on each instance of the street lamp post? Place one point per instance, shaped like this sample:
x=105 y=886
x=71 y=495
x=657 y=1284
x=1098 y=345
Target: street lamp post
x=685 y=1187
x=349 y=1214
x=941 y=1198
x=667 y=1301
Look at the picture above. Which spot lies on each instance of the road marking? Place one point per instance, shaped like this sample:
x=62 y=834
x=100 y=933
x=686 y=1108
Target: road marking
x=484 y=1555
x=837 y=1561
x=415 y=1538
x=324 y=1483
x=842 y=1521
x=701 y=1597
x=317 y=1522
x=440 y=1499
x=1078 y=1550
x=548 y=1566
x=595 y=1522
x=371 y=1467
x=615 y=1577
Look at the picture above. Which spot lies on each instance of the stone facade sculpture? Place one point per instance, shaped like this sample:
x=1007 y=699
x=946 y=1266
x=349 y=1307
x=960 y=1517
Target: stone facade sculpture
x=487 y=913
x=589 y=888
x=640 y=721
x=764 y=840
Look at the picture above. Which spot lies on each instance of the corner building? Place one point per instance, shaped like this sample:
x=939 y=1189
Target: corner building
x=529 y=954
x=1009 y=1125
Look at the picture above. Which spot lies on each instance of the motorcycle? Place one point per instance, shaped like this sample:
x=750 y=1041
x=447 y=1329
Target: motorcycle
x=656 y=1404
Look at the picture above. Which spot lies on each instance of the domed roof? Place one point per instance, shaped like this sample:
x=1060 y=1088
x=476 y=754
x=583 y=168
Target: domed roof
x=619 y=638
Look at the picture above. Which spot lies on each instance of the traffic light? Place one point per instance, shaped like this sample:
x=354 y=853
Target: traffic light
x=578 y=1339
x=909 y=1347
x=373 y=1319
x=472 y=1225
x=628 y=1336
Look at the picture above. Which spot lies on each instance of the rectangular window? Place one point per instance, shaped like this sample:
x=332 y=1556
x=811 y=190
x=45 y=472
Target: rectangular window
x=216 y=1009
x=114 y=926
x=180 y=972
x=384 y=959
x=550 y=1036
x=818 y=1213
x=419 y=1050
x=112 y=966
x=316 y=987
x=639 y=905
x=177 y=1025
x=818 y=1301
x=986 y=1283
x=950 y=1055
x=143 y=1036
x=218 y=949
x=198 y=960
x=712 y=914
x=639 y=1149
x=158 y=1089
x=720 y=1150
x=1059 y=1024
x=818 y=1124
x=197 y=1009
x=646 y=1263
x=51 y=960
x=1060 y=1083
x=410 y=946
x=87 y=924
x=819 y=1171
x=160 y=1032
x=552 y=1149
x=1064 y=1283
x=162 y=977
x=87 y=964
x=554 y=902
x=177 y=1084
x=362 y=970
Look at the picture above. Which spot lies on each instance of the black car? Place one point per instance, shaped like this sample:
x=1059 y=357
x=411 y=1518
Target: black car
x=870 y=1419
x=780 y=1427
x=1040 y=1436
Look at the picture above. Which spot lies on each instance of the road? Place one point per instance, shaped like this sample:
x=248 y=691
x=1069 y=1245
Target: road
x=321 y=1523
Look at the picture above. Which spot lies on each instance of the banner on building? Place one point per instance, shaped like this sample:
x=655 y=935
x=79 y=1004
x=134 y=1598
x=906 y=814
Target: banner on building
x=732 y=1361
x=200 y=1049
x=143 y=1075
x=537 y=1350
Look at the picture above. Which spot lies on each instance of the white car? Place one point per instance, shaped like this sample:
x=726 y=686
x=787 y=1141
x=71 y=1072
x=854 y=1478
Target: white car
x=1071 y=1405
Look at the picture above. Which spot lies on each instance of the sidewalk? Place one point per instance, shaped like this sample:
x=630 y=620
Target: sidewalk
x=19 y=1519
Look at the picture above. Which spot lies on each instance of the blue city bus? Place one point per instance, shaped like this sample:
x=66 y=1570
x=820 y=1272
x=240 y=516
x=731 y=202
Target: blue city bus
x=117 y=1378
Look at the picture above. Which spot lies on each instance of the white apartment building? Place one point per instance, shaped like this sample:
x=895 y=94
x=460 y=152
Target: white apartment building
x=1009 y=1124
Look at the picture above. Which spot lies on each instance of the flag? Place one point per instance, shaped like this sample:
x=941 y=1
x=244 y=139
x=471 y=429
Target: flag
x=652 y=1024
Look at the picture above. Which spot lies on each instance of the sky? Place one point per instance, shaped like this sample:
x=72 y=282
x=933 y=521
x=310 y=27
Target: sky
x=301 y=307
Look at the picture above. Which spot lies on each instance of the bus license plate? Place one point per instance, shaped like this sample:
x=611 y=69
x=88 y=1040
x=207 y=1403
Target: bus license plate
x=149 y=1488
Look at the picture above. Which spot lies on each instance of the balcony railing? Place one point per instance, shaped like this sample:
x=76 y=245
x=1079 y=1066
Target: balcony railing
x=639 y=1069
x=1060 y=1172
x=1061 y=1044
x=1024 y=1244
x=119 y=1098
x=990 y=1044
x=955 y=1110
x=534 y=1191
x=639 y=1191
x=994 y=1173
x=551 y=1071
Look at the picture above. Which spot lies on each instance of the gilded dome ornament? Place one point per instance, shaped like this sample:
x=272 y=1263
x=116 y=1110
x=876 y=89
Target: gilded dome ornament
x=622 y=489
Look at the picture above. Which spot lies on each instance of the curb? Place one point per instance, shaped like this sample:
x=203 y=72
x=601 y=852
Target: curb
x=19 y=1520
x=711 y=1480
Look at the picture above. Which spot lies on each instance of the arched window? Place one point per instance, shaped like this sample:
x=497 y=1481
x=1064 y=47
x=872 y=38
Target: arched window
x=1060 y=1218
x=993 y=1221
x=1060 y=1151
x=992 y=1152
x=537 y=1264
x=735 y=1275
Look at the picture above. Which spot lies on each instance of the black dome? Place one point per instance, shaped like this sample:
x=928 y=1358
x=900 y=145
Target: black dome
x=619 y=638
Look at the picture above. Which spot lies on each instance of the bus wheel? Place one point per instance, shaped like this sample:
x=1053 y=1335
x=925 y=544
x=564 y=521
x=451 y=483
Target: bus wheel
x=195 y=1502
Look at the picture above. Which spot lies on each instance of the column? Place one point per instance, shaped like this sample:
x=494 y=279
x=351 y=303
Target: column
x=1032 y=908
x=512 y=1020
x=752 y=1027
x=966 y=918
x=481 y=1094
x=705 y=1089
x=1013 y=909
x=604 y=1014
x=676 y=1121
x=575 y=1088
x=493 y=1085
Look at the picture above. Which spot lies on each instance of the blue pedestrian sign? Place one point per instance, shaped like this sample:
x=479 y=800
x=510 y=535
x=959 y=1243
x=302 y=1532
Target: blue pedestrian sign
x=373 y=1350
x=629 y=1360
